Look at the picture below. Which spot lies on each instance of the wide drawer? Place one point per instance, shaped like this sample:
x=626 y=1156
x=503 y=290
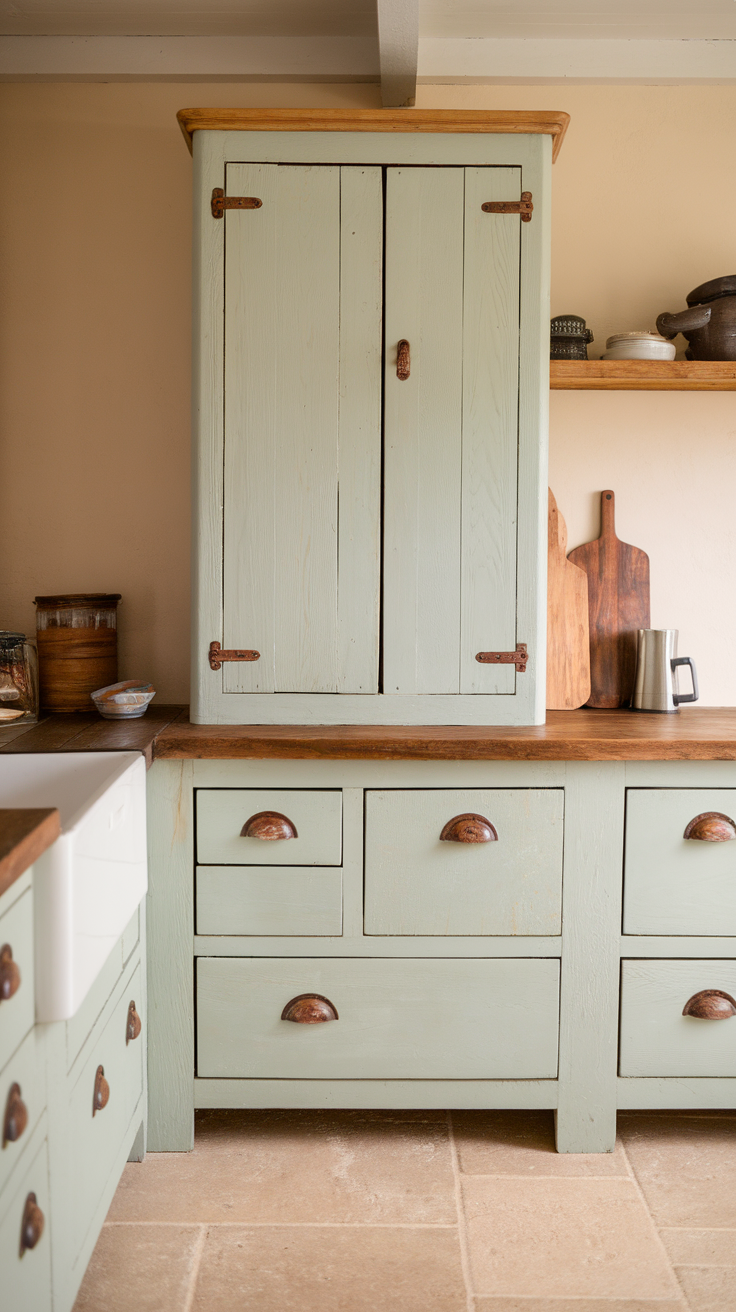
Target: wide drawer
x=16 y=946
x=288 y=900
x=417 y=883
x=26 y=1278
x=97 y=1131
x=673 y=884
x=315 y=815
x=22 y=1100
x=656 y=1039
x=397 y=1019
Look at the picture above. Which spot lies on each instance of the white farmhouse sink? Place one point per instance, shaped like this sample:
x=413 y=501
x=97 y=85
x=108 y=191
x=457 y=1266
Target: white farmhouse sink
x=88 y=884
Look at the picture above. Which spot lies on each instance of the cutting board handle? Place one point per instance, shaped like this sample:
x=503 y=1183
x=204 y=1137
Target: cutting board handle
x=608 y=514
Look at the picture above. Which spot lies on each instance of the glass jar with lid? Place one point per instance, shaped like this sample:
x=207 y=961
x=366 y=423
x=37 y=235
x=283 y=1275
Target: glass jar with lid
x=18 y=679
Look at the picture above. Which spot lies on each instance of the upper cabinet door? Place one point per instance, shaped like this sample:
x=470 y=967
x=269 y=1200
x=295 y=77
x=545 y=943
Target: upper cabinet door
x=451 y=430
x=302 y=456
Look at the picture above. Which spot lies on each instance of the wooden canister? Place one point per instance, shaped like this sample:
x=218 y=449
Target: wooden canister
x=77 y=647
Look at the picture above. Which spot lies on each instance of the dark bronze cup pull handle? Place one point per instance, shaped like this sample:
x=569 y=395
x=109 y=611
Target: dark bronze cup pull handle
x=9 y=973
x=101 y=1095
x=16 y=1116
x=403 y=360
x=31 y=1227
x=710 y=1004
x=469 y=828
x=309 y=1009
x=132 y=1024
x=270 y=826
x=711 y=827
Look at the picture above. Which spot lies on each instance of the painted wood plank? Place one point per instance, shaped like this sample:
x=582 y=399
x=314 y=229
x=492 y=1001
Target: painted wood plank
x=674 y=885
x=591 y=918
x=656 y=1092
x=26 y=1068
x=359 y=435
x=416 y=884
x=656 y=1039
x=422 y=431
x=391 y=1094
x=169 y=923
x=490 y=423
x=316 y=816
x=227 y=945
x=17 y=1012
x=425 y=1019
x=26 y=1283
x=287 y=900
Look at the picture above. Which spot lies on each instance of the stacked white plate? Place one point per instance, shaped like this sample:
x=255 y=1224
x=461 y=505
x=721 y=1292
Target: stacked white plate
x=638 y=346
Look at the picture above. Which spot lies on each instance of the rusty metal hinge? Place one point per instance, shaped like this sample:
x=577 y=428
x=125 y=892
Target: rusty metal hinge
x=518 y=658
x=217 y=655
x=523 y=207
x=221 y=202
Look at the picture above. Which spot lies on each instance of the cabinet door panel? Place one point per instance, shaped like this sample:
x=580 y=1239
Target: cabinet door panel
x=451 y=430
x=302 y=407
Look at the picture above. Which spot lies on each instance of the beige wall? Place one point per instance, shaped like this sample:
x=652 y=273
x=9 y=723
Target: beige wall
x=95 y=345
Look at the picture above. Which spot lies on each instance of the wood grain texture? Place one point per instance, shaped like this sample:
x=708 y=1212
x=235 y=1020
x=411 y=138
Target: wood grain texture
x=568 y=637
x=268 y=900
x=24 y=834
x=618 y=605
x=656 y=1039
x=551 y=123
x=90 y=733
x=643 y=375
x=697 y=734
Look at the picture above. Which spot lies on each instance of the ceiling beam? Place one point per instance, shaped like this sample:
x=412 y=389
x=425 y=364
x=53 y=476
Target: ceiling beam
x=520 y=61
x=398 y=47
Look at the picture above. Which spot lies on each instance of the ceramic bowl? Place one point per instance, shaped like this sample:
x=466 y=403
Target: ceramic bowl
x=639 y=346
x=123 y=701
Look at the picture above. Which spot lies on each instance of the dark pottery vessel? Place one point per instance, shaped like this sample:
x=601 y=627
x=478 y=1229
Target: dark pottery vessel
x=710 y=322
x=569 y=338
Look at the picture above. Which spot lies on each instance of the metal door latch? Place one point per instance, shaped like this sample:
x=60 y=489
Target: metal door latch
x=523 y=207
x=221 y=202
x=518 y=658
x=217 y=655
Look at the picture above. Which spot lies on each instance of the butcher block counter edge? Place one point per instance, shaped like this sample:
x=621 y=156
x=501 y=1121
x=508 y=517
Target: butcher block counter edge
x=24 y=834
x=707 y=734
x=88 y=732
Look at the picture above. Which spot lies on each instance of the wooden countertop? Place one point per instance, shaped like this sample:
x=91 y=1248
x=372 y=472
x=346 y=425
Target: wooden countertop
x=694 y=734
x=90 y=733
x=24 y=834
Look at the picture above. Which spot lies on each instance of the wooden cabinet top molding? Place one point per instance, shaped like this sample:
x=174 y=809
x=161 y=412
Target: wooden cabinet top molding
x=700 y=734
x=546 y=122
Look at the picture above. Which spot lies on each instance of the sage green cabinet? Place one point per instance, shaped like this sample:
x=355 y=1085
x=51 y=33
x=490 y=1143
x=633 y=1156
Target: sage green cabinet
x=26 y=1275
x=368 y=531
x=314 y=816
x=263 y=900
x=656 y=1039
x=16 y=941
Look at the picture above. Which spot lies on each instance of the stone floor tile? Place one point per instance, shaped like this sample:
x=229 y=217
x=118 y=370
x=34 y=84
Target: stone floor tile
x=569 y=1238
x=330 y=1269
x=139 y=1268
x=578 y=1305
x=686 y=1168
x=700 y=1247
x=295 y=1167
x=709 y=1288
x=523 y=1143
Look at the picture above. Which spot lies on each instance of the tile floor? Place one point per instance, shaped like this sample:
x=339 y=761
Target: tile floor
x=424 y=1212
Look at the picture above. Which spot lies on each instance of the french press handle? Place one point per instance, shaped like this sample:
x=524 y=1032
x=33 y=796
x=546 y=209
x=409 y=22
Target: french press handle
x=680 y=697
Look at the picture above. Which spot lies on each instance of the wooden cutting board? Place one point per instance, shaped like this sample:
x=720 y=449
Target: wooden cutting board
x=568 y=648
x=618 y=605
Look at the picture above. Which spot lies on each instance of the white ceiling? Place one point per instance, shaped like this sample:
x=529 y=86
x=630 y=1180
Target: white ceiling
x=562 y=19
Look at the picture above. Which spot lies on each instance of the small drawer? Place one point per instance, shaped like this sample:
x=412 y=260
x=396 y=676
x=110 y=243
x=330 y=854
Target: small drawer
x=418 y=883
x=100 y=1109
x=396 y=1019
x=284 y=900
x=656 y=1038
x=310 y=836
x=22 y=1100
x=16 y=969
x=26 y=1278
x=673 y=884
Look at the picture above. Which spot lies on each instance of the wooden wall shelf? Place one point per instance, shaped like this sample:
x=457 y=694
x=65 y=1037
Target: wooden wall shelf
x=643 y=375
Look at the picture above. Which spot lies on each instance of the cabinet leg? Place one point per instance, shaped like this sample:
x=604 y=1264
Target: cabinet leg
x=138 y=1149
x=578 y=1131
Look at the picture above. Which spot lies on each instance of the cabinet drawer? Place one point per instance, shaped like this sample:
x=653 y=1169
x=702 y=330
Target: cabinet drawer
x=398 y=1019
x=315 y=815
x=97 y=1137
x=26 y=1280
x=415 y=883
x=266 y=900
x=674 y=885
x=16 y=940
x=22 y=1086
x=656 y=1039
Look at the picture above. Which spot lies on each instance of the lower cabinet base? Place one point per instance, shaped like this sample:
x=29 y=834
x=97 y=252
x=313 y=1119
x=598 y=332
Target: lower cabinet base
x=375 y=1094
